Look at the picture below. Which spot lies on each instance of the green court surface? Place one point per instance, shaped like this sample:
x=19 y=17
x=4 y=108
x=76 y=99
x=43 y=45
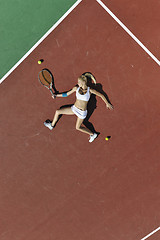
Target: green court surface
x=23 y=23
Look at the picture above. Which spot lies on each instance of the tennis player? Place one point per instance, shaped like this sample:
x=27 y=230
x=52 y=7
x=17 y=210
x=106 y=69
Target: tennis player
x=83 y=93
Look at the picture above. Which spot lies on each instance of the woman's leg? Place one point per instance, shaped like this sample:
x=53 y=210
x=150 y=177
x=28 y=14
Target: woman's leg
x=82 y=129
x=66 y=110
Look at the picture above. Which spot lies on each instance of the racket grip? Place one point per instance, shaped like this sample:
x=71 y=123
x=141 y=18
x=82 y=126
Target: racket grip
x=52 y=93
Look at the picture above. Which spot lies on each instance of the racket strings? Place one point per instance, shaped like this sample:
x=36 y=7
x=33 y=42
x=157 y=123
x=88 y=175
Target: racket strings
x=45 y=78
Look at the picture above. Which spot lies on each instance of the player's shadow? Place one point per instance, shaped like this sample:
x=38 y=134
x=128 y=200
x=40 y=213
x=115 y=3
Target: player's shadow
x=92 y=104
x=98 y=87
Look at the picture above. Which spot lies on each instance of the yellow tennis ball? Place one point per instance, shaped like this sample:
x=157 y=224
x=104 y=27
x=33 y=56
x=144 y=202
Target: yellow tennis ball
x=39 y=62
x=106 y=138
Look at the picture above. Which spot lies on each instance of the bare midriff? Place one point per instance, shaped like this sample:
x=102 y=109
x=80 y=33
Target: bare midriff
x=80 y=104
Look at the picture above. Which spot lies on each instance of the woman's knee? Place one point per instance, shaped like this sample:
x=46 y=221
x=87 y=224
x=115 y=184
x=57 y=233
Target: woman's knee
x=57 y=111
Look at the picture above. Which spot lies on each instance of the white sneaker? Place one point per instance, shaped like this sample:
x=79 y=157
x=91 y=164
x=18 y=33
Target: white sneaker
x=49 y=125
x=92 y=137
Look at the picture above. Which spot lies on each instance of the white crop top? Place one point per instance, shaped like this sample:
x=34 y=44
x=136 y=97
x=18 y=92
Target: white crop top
x=84 y=97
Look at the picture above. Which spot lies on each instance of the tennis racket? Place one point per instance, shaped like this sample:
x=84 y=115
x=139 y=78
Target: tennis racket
x=47 y=80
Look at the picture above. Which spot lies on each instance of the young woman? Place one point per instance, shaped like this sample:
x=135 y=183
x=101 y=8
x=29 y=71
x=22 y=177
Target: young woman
x=79 y=108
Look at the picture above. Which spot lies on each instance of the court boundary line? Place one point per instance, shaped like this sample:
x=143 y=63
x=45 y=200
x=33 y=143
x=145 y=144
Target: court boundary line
x=150 y=234
x=128 y=31
x=41 y=40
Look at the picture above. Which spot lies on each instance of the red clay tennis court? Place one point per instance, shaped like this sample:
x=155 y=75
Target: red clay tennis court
x=55 y=184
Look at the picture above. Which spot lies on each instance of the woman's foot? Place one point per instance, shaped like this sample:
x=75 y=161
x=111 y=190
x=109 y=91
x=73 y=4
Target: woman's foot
x=48 y=124
x=92 y=137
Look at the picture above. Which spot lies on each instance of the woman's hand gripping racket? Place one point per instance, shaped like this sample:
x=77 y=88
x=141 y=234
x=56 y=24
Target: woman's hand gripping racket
x=46 y=79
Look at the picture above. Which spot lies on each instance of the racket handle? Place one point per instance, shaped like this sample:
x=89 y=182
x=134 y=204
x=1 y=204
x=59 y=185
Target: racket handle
x=52 y=93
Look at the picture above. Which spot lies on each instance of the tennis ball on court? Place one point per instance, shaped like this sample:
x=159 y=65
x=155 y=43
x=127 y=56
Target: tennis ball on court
x=40 y=61
x=107 y=138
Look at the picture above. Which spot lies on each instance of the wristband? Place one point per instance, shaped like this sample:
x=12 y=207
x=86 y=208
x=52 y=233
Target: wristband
x=64 y=94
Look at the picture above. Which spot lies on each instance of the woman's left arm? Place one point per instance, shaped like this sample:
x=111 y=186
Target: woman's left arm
x=108 y=105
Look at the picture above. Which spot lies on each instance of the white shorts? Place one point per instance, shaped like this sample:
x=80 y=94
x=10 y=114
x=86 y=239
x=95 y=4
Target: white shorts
x=79 y=113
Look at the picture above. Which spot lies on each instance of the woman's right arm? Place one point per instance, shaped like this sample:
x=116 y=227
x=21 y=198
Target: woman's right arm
x=66 y=94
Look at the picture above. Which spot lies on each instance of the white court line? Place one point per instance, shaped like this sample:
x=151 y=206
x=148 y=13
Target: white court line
x=36 y=45
x=129 y=32
x=151 y=233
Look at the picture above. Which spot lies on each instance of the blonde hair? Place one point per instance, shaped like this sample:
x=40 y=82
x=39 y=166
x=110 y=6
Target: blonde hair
x=86 y=75
x=83 y=78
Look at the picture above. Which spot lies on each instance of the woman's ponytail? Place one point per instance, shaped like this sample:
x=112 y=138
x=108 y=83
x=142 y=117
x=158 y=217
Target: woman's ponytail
x=87 y=74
